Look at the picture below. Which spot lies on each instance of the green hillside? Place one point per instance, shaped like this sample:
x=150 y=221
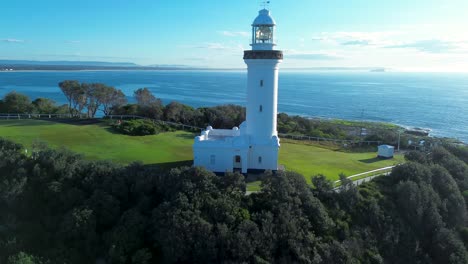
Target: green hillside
x=310 y=160
x=98 y=141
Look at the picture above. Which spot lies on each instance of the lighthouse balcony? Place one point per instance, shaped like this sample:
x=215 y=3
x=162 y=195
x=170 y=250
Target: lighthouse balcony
x=263 y=54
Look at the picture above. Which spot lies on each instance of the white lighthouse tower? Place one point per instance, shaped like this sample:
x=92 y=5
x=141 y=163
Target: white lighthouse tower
x=262 y=92
x=255 y=145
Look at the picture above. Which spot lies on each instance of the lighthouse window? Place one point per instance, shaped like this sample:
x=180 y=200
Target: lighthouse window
x=261 y=109
x=259 y=160
x=261 y=83
x=212 y=159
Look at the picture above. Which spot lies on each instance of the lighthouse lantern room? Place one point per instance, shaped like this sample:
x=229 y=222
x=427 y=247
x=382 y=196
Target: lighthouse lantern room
x=255 y=144
x=263 y=29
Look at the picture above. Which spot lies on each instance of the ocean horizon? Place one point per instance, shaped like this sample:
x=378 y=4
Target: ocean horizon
x=437 y=101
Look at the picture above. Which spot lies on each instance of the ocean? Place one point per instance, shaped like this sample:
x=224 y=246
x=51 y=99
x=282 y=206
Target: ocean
x=438 y=101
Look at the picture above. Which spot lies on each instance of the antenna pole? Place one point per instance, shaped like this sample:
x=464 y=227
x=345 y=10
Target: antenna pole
x=265 y=4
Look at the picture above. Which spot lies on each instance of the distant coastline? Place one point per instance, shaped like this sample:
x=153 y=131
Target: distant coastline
x=20 y=65
x=27 y=68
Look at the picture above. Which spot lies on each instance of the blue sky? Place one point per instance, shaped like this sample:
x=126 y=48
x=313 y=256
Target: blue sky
x=416 y=35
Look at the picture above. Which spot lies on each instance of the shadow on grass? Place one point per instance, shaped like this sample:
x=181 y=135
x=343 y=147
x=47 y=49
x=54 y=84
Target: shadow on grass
x=254 y=177
x=113 y=131
x=31 y=122
x=22 y=122
x=187 y=136
x=76 y=122
x=373 y=160
x=170 y=165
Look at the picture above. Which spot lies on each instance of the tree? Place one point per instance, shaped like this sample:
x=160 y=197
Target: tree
x=80 y=98
x=323 y=188
x=454 y=212
x=448 y=248
x=69 y=88
x=127 y=237
x=322 y=184
x=111 y=99
x=180 y=113
x=416 y=156
x=148 y=104
x=223 y=116
x=93 y=91
x=127 y=109
x=23 y=258
x=77 y=232
x=76 y=94
x=144 y=97
x=64 y=209
x=13 y=174
x=17 y=103
x=44 y=106
x=99 y=94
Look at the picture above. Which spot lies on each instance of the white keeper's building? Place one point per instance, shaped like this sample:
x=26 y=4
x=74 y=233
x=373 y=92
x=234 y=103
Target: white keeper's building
x=255 y=144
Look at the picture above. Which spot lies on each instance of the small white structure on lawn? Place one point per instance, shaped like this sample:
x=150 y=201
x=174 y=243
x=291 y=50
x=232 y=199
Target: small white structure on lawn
x=386 y=151
x=255 y=144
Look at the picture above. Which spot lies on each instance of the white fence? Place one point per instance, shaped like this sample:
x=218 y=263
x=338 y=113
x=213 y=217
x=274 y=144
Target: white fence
x=320 y=139
x=372 y=174
x=39 y=116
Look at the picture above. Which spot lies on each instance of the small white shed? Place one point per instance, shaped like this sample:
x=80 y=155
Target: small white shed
x=386 y=151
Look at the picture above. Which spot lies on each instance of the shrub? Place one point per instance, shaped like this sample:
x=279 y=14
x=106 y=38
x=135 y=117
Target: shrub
x=139 y=127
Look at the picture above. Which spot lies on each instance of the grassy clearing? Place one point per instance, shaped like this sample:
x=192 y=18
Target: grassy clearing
x=97 y=141
x=310 y=160
x=254 y=186
x=364 y=124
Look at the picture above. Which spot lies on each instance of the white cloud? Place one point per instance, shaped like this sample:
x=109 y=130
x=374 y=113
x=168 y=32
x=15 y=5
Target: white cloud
x=312 y=56
x=216 y=46
x=409 y=38
x=356 y=38
x=428 y=46
x=84 y=56
x=213 y=46
x=234 y=33
x=356 y=43
x=13 y=40
x=307 y=55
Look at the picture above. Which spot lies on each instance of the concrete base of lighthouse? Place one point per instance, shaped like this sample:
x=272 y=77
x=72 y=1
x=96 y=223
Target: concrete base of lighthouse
x=223 y=150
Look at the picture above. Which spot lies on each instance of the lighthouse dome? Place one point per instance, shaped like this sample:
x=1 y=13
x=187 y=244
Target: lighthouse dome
x=264 y=19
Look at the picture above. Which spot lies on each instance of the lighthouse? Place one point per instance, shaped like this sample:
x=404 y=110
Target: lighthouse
x=262 y=92
x=255 y=144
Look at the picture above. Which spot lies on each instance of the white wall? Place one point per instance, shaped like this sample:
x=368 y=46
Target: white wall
x=225 y=154
x=386 y=152
x=269 y=156
x=262 y=125
x=224 y=158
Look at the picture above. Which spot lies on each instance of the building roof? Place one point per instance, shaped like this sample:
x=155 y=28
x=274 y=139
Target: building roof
x=386 y=146
x=264 y=19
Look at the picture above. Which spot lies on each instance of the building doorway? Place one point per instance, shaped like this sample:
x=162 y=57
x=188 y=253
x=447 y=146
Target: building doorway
x=237 y=162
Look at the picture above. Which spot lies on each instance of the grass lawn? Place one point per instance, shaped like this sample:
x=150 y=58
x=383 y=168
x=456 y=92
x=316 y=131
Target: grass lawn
x=96 y=141
x=310 y=160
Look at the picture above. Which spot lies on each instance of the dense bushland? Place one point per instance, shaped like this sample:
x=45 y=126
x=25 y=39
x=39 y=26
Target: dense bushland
x=56 y=207
x=16 y=103
x=139 y=127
